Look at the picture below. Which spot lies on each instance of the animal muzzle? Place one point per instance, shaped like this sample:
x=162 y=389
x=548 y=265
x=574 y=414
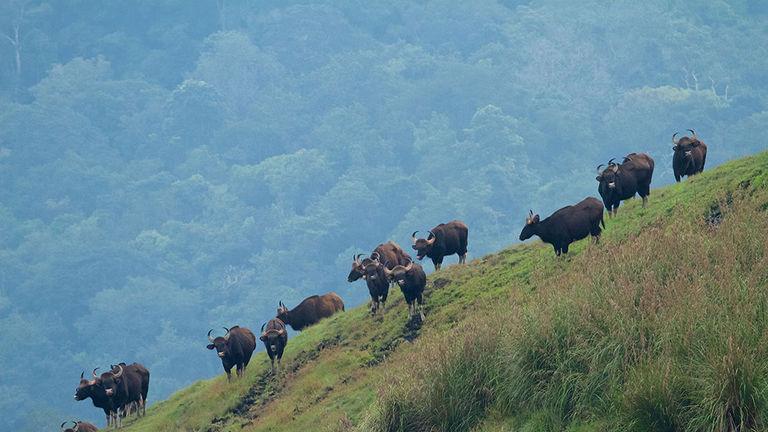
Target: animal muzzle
x=612 y=185
x=401 y=282
x=273 y=348
x=221 y=355
x=109 y=392
x=420 y=257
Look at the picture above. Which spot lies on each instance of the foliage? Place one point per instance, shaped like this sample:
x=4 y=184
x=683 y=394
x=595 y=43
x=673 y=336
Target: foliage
x=171 y=166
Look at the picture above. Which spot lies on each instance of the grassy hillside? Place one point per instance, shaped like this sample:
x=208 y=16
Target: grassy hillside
x=660 y=327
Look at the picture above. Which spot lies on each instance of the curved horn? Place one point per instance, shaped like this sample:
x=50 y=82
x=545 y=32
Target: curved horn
x=674 y=141
x=94 y=373
x=378 y=256
x=611 y=162
x=356 y=258
x=434 y=237
x=262 y=327
x=598 y=168
x=82 y=374
x=62 y=424
x=120 y=373
x=226 y=335
x=77 y=426
x=413 y=237
x=694 y=133
x=210 y=338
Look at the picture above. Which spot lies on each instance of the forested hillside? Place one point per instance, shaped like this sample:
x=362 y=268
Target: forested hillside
x=170 y=166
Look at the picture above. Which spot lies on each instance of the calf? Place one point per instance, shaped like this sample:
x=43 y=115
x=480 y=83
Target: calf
x=275 y=338
x=234 y=349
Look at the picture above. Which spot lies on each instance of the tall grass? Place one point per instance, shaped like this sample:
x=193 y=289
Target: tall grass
x=665 y=331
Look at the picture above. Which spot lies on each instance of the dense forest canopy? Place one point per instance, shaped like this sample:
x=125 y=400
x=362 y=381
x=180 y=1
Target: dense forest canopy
x=170 y=166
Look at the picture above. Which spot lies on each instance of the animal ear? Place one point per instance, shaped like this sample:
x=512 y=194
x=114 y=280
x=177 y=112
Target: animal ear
x=263 y=337
x=414 y=247
x=598 y=178
x=536 y=219
x=210 y=346
x=674 y=148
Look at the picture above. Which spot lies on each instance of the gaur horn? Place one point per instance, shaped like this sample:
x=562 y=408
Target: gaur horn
x=611 y=162
x=210 y=338
x=356 y=258
x=693 y=132
x=262 y=327
x=413 y=237
x=119 y=373
x=94 y=373
x=82 y=374
x=674 y=141
x=62 y=424
x=434 y=237
x=377 y=256
x=76 y=426
x=598 y=168
x=614 y=167
x=226 y=335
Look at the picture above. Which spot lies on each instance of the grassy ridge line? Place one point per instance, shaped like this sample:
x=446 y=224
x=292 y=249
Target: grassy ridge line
x=663 y=328
x=331 y=381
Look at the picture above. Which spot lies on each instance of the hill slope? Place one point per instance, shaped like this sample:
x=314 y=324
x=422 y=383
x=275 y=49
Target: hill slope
x=520 y=339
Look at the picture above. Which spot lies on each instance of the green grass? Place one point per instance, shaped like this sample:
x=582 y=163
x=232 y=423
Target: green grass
x=660 y=327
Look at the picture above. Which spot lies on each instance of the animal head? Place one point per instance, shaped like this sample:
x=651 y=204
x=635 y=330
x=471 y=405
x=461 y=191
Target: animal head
x=110 y=380
x=422 y=246
x=357 y=269
x=371 y=267
x=219 y=343
x=398 y=273
x=609 y=175
x=271 y=337
x=530 y=226
x=282 y=312
x=686 y=144
x=74 y=428
x=85 y=389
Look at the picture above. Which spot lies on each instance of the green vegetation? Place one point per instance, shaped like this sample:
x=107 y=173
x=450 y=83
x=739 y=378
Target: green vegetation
x=662 y=327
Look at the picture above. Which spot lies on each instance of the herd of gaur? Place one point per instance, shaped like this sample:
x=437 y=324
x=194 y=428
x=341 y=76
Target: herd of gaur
x=123 y=389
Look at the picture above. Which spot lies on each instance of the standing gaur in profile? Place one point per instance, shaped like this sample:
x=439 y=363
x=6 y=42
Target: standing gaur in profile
x=275 y=338
x=443 y=240
x=412 y=281
x=618 y=182
x=78 y=426
x=690 y=155
x=234 y=349
x=311 y=310
x=371 y=269
x=566 y=225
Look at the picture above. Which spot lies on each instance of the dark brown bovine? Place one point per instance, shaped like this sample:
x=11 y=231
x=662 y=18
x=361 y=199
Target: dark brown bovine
x=371 y=269
x=443 y=240
x=137 y=381
x=89 y=389
x=389 y=252
x=690 y=155
x=412 y=281
x=310 y=310
x=618 y=182
x=78 y=426
x=275 y=338
x=234 y=349
x=566 y=225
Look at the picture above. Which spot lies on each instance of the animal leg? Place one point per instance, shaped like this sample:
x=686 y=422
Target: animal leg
x=463 y=258
x=229 y=375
